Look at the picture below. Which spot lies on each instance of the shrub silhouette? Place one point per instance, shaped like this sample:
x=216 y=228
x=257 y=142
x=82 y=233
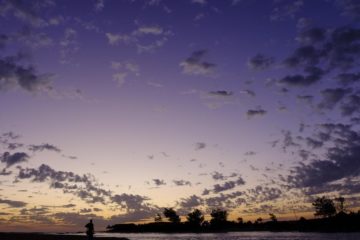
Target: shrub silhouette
x=324 y=207
x=171 y=215
x=218 y=218
x=195 y=218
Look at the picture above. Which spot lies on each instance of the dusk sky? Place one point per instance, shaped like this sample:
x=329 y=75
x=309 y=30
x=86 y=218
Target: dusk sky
x=115 y=109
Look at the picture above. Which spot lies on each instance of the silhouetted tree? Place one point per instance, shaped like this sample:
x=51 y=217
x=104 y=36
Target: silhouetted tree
x=218 y=217
x=259 y=220
x=171 y=215
x=273 y=218
x=158 y=217
x=341 y=201
x=324 y=207
x=240 y=220
x=205 y=224
x=195 y=218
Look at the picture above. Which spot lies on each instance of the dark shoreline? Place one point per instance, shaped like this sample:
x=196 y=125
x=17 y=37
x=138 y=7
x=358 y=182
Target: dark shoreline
x=68 y=236
x=342 y=222
x=47 y=236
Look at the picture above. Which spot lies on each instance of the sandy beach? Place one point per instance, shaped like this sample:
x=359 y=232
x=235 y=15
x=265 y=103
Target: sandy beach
x=40 y=236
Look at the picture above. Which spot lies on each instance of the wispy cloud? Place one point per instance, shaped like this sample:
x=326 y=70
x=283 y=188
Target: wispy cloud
x=13 y=204
x=260 y=62
x=255 y=112
x=200 y=145
x=140 y=38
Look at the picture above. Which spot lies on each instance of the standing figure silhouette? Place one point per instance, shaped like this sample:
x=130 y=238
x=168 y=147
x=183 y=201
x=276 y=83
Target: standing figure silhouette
x=90 y=230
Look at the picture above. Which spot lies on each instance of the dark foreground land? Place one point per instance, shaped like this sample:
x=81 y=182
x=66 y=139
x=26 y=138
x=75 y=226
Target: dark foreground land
x=340 y=223
x=39 y=236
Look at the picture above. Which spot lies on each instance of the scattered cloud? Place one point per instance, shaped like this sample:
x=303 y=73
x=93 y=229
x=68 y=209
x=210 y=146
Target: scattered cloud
x=131 y=202
x=221 y=93
x=191 y=202
x=310 y=36
x=84 y=187
x=44 y=146
x=70 y=205
x=123 y=70
x=148 y=30
x=250 y=153
x=119 y=78
x=69 y=182
x=255 y=112
x=27 y=12
x=218 y=176
x=33 y=39
x=201 y=2
x=260 y=62
x=146 y=38
x=12 y=159
x=69 y=45
x=195 y=65
x=313 y=75
x=199 y=16
x=115 y=39
x=13 y=204
x=158 y=182
x=338 y=169
x=321 y=52
x=308 y=99
x=200 y=145
x=349 y=8
x=127 y=66
x=331 y=96
x=288 y=140
x=286 y=9
x=248 y=92
x=155 y=84
x=182 y=183
x=4 y=172
x=99 y=5
x=14 y=75
x=348 y=78
x=350 y=105
x=228 y=185
x=261 y=194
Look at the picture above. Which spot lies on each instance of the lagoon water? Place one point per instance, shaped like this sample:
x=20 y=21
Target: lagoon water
x=236 y=236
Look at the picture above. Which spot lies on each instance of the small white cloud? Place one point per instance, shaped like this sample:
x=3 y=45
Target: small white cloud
x=128 y=66
x=69 y=45
x=201 y=2
x=195 y=65
x=115 y=39
x=116 y=65
x=154 y=30
x=155 y=84
x=56 y=20
x=120 y=78
x=99 y=5
x=199 y=16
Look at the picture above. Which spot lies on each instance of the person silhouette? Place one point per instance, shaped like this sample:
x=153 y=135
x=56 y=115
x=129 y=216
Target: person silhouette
x=90 y=230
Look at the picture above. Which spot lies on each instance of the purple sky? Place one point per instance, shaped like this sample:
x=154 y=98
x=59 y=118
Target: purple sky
x=113 y=110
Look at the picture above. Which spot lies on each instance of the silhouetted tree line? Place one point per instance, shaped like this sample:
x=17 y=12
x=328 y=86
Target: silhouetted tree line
x=332 y=217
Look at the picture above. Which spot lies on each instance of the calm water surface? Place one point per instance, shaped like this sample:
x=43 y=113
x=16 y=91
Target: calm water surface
x=236 y=236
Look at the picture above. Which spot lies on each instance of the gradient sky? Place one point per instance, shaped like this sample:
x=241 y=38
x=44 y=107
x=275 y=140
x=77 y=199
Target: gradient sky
x=115 y=109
